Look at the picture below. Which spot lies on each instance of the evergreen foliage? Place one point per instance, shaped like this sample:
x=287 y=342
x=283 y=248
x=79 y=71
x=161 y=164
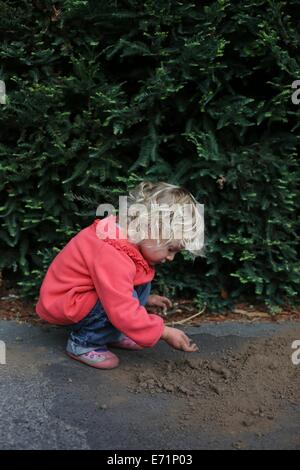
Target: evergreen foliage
x=104 y=94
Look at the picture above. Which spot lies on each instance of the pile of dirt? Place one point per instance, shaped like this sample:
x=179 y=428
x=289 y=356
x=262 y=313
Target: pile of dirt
x=243 y=390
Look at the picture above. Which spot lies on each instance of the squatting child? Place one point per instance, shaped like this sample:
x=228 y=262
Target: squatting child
x=99 y=284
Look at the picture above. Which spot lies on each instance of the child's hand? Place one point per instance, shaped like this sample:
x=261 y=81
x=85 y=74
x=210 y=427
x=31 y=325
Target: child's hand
x=178 y=339
x=159 y=301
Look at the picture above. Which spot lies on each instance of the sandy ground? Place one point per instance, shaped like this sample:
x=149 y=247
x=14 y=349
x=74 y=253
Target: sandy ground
x=240 y=391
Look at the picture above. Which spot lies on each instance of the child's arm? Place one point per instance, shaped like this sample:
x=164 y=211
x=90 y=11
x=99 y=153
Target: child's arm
x=178 y=339
x=113 y=274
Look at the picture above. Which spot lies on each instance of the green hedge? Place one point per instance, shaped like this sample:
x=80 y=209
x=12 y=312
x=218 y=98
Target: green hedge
x=104 y=94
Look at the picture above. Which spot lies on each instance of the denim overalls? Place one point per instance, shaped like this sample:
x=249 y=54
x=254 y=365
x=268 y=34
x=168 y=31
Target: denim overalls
x=95 y=330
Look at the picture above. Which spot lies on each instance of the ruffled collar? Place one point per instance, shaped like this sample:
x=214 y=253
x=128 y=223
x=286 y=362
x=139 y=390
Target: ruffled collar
x=109 y=232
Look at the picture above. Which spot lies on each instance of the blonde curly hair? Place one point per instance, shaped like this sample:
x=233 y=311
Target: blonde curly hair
x=174 y=215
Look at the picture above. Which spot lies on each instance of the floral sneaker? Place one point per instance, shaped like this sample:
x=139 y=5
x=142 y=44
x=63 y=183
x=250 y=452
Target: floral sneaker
x=126 y=343
x=101 y=358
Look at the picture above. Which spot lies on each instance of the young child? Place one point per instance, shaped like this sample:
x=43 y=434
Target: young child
x=100 y=282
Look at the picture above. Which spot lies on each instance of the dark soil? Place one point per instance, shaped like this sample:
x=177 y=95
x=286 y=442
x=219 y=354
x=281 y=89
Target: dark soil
x=13 y=307
x=244 y=390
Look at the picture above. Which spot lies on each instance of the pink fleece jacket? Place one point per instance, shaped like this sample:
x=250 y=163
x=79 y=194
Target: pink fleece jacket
x=89 y=268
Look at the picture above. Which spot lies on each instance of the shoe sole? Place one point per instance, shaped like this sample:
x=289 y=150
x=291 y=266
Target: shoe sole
x=101 y=365
x=126 y=349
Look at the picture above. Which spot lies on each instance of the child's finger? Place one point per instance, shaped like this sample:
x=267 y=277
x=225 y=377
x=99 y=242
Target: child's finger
x=167 y=302
x=192 y=346
x=188 y=348
x=186 y=338
x=186 y=342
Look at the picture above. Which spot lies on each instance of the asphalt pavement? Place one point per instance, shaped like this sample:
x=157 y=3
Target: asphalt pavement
x=48 y=401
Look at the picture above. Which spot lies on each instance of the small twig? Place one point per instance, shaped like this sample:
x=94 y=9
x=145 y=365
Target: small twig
x=176 y=309
x=170 y=312
x=187 y=319
x=56 y=12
